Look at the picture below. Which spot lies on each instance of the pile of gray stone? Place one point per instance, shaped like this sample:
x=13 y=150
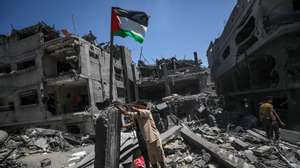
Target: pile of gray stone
x=35 y=140
x=180 y=154
x=249 y=146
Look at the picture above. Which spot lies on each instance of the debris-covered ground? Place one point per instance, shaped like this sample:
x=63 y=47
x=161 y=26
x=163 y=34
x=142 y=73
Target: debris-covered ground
x=180 y=154
x=249 y=146
x=35 y=146
x=196 y=140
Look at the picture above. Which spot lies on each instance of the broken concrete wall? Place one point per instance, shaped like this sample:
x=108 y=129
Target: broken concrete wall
x=67 y=98
x=61 y=57
x=52 y=78
x=258 y=58
x=170 y=76
x=18 y=48
x=24 y=57
x=104 y=62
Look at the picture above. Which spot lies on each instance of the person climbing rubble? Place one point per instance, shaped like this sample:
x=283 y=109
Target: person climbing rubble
x=270 y=118
x=149 y=131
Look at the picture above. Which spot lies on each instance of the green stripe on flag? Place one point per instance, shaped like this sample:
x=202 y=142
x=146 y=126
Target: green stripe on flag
x=124 y=33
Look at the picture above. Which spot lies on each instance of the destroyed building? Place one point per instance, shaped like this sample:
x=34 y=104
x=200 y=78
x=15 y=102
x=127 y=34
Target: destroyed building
x=257 y=55
x=170 y=76
x=59 y=81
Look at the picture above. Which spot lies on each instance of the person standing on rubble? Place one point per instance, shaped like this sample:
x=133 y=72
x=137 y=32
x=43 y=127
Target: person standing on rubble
x=149 y=132
x=270 y=118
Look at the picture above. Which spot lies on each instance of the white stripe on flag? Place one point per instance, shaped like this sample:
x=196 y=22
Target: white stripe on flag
x=130 y=25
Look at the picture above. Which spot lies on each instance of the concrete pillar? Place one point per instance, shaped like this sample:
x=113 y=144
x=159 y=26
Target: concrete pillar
x=174 y=65
x=84 y=52
x=166 y=81
x=196 y=59
x=136 y=90
x=125 y=75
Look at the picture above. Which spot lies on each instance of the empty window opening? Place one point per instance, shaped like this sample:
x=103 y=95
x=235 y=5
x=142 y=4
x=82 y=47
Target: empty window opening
x=263 y=73
x=51 y=104
x=72 y=99
x=5 y=69
x=63 y=67
x=118 y=74
x=293 y=63
x=226 y=83
x=246 y=31
x=29 y=97
x=120 y=92
x=247 y=45
x=6 y=104
x=80 y=102
x=94 y=55
x=226 y=53
x=296 y=5
x=74 y=129
x=102 y=105
x=25 y=64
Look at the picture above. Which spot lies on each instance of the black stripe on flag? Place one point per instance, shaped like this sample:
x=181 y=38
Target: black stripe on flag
x=137 y=16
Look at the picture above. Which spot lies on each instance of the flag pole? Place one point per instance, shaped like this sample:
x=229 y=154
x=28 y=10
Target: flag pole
x=111 y=70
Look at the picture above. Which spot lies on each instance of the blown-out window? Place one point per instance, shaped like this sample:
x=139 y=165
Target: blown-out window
x=120 y=92
x=5 y=69
x=246 y=31
x=29 y=97
x=118 y=74
x=296 y=5
x=226 y=53
x=25 y=64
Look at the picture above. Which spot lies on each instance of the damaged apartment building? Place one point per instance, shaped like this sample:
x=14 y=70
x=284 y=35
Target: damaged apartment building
x=60 y=81
x=174 y=86
x=257 y=55
x=171 y=76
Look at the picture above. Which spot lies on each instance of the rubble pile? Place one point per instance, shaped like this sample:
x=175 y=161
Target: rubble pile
x=253 y=150
x=36 y=140
x=179 y=154
x=205 y=107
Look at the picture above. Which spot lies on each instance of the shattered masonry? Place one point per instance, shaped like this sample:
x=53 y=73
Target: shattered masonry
x=257 y=55
x=58 y=80
x=169 y=76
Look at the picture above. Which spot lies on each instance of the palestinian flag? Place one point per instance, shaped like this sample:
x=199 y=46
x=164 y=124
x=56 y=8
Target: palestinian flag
x=129 y=23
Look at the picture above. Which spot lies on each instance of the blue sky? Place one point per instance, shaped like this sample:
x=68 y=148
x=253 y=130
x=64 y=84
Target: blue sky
x=176 y=27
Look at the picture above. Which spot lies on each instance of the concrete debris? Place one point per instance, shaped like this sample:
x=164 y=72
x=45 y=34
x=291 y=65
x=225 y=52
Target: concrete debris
x=180 y=154
x=45 y=162
x=250 y=156
x=239 y=147
x=76 y=157
x=35 y=141
x=263 y=150
x=298 y=155
x=3 y=136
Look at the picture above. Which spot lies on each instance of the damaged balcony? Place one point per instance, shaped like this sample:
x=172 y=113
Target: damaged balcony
x=61 y=58
x=68 y=102
x=67 y=96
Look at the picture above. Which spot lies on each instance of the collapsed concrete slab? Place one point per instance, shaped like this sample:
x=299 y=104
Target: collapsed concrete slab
x=226 y=159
